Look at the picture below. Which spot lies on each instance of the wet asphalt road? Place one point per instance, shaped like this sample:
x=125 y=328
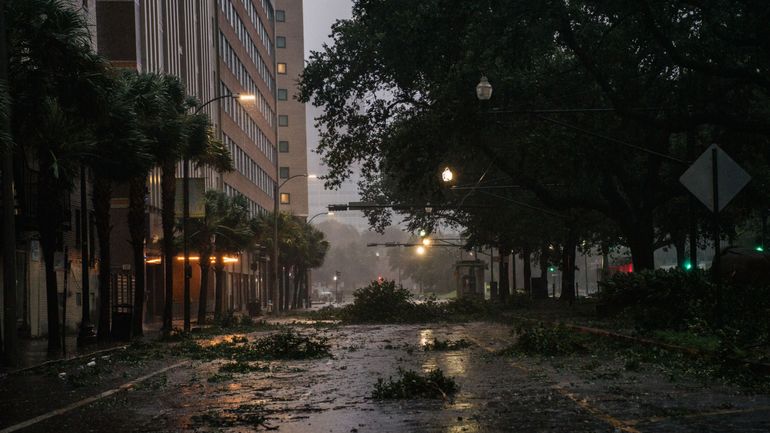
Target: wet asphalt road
x=582 y=393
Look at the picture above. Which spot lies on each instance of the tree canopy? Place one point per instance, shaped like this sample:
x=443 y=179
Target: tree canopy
x=598 y=106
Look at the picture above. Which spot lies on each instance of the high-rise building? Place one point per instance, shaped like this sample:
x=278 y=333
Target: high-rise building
x=292 y=137
x=217 y=48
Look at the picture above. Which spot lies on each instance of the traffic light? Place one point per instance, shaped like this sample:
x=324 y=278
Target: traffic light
x=552 y=269
x=759 y=248
x=337 y=207
x=687 y=265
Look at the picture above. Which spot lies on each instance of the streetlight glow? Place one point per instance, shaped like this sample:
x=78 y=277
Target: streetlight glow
x=447 y=175
x=423 y=233
x=421 y=250
x=426 y=242
x=247 y=97
x=483 y=89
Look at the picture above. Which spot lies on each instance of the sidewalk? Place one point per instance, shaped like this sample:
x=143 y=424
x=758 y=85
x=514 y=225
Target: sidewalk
x=34 y=352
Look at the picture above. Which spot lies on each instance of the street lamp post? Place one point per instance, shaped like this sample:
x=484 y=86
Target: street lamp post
x=336 y=286
x=329 y=213
x=87 y=334
x=186 y=209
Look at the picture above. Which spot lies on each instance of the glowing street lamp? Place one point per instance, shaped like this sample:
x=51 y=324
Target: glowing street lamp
x=447 y=175
x=420 y=250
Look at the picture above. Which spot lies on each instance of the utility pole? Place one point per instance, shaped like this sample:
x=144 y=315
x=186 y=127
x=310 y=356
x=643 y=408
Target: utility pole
x=10 y=336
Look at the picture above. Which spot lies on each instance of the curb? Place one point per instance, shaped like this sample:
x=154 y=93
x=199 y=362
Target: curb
x=60 y=360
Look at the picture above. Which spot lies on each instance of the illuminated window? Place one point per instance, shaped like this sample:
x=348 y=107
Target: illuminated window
x=283 y=120
x=283 y=146
x=285 y=198
x=280 y=42
x=283 y=94
x=282 y=68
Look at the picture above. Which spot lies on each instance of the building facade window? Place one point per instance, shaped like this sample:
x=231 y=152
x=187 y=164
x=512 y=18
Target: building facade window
x=280 y=15
x=283 y=94
x=283 y=146
x=285 y=198
x=284 y=172
x=283 y=120
x=282 y=68
x=280 y=42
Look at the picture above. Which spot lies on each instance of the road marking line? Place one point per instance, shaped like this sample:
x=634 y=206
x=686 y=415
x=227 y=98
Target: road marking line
x=86 y=401
x=582 y=403
x=655 y=419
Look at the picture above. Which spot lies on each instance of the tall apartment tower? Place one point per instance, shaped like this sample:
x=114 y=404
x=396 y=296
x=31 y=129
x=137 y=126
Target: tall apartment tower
x=245 y=38
x=217 y=48
x=292 y=137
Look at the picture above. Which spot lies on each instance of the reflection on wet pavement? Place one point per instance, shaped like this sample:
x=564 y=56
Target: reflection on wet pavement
x=496 y=393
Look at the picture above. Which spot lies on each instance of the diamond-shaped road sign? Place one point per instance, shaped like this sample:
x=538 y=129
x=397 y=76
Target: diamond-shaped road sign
x=699 y=178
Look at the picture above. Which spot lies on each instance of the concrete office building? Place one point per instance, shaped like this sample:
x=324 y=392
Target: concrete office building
x=292 y=137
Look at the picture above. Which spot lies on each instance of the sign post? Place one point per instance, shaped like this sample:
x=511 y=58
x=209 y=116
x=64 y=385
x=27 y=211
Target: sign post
x=715 y=179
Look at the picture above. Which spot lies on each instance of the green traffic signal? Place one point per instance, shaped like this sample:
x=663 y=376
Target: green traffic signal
x=551 y=269
x=687 y=265
x=759 y=248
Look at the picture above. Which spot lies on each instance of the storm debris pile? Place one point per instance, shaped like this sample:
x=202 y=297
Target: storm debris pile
x=410 y=384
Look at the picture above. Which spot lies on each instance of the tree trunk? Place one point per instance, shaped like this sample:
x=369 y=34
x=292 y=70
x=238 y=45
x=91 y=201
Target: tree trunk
x=513 y=288
x=219 y=271
x=641 y=238
x=168 y=191
x=9 y=342
x=102 y=194
x=49 y=222
x=281 y=289
x=679 y=245
x=297 y=289
x=138 y=232
x=526 y=258
x=306 y=287
x=505 y=283
x=568 y=268
x=204 y=292
x=605 y=261
x=544 y=268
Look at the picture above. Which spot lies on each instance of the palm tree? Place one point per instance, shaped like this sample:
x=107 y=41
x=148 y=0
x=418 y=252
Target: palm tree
x=301 y=247
x=224 y=220
x=234 y=235
x=307 y=251
x=120 y=152
x=145 y=94
x=172 y=132
x=53 y=77
x=313 y=257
